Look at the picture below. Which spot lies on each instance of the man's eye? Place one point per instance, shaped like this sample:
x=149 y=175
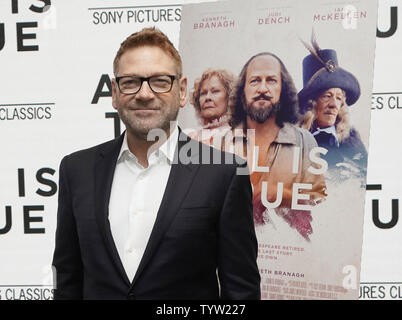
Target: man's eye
x=254 y=81
x=129 y=82
x=272 y=81
x=160 y=82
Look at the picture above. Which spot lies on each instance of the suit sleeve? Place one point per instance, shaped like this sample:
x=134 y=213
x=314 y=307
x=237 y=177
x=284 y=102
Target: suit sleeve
x=67 y=257
x=237 y=261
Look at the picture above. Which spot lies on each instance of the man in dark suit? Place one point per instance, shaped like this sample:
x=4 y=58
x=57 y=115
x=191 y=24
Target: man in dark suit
x=143 y=216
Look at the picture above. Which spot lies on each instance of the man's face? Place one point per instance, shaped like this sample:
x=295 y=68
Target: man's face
x=147 y=110
x=213 y=99
x=262 y=88
x=328 y=105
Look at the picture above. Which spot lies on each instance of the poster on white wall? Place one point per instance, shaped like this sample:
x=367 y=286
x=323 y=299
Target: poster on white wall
x=272 y=84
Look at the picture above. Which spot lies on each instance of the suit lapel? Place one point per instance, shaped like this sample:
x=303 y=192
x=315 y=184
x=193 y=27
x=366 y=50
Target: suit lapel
x=179 y=182
x=104 y=171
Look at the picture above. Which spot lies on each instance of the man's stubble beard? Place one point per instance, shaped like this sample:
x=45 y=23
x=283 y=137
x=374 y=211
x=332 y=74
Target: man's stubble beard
x=141 y=127
x=261 y=114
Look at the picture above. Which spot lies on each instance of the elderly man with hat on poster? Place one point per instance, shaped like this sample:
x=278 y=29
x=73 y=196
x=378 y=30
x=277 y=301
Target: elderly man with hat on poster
x=328 y=91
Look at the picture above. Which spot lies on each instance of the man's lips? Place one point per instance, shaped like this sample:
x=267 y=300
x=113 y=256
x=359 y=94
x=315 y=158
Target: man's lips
x=144 y=112
x=143 y=109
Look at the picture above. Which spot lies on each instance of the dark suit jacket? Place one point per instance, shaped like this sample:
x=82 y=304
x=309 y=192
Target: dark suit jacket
x=204 y=224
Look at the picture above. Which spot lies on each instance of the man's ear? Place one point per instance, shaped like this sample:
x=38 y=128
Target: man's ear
x=183 y=91
x=114 y=93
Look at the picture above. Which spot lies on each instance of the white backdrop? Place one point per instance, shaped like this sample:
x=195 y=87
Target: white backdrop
x=55 y=93
x=381 y=269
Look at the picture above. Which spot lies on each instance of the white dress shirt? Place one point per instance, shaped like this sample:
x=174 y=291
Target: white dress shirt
x=135 y=199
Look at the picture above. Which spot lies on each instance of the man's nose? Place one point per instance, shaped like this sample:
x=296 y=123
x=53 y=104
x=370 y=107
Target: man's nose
x=333 y=103
x=208 y=96
x=145 y=92
x=263 y=87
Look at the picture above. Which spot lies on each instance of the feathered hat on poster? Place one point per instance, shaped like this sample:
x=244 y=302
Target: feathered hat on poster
x=321 y=71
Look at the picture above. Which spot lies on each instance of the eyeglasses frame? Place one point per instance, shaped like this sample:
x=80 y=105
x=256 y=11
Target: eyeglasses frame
x=146 y=79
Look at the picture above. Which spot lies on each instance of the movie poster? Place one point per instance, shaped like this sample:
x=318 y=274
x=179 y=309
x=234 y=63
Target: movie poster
x=287 y=86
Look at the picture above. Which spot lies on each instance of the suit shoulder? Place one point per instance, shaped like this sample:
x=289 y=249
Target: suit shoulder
x=86 y=155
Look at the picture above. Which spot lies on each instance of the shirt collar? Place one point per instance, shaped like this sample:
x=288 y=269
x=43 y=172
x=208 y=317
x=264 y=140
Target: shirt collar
x=330 y=130
x=167 y=148
x=124 y=147
x=286 y=134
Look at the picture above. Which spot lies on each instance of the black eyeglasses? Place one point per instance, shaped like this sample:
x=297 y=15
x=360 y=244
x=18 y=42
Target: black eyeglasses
x=158 y=84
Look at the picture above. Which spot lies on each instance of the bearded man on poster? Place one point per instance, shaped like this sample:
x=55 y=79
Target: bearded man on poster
x=144 y=218
x=265 y=101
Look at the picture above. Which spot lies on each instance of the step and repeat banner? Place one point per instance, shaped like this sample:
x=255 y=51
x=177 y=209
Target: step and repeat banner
x=55 y=98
